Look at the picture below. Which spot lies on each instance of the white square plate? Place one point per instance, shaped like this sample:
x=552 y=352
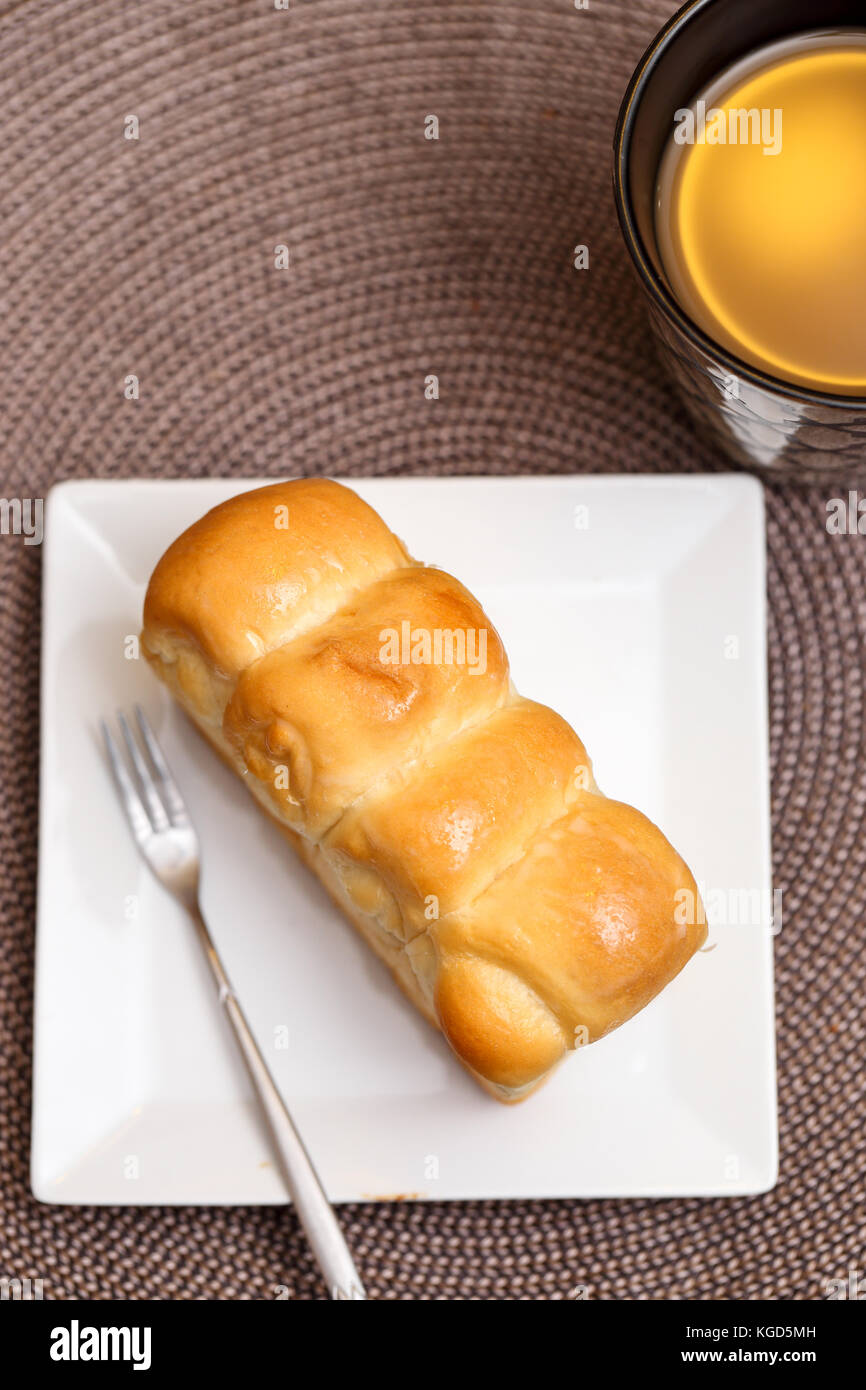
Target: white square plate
x=635 y=607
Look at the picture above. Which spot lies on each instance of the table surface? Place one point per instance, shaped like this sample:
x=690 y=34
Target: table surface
x=408 y=258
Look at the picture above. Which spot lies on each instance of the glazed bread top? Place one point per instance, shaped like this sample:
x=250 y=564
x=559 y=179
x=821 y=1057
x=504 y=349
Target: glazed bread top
x=464 y=812
x=367 y=702
x=340 y=717
x=262 y=568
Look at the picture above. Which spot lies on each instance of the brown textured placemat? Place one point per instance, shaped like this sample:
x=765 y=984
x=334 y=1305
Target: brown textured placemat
x=408 y=257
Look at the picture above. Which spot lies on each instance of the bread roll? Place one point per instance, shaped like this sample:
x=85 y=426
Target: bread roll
x=366 y=701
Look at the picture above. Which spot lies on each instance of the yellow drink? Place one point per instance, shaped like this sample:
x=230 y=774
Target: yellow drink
x=761 y=211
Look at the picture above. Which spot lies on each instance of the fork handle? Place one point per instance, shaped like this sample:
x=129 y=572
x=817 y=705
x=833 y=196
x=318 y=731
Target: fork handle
x=315 y=1212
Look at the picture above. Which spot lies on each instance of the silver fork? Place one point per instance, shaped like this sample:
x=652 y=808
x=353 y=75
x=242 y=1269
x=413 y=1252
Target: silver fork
x=168 y=842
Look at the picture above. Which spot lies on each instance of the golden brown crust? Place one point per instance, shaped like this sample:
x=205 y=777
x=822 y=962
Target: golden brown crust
x=366 y=701
x=467 y=811
x=587 y=918
x=328 y=716
x=496 y=1025
x=265 y=566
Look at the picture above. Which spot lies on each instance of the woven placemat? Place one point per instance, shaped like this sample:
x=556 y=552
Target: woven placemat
x=408 y=257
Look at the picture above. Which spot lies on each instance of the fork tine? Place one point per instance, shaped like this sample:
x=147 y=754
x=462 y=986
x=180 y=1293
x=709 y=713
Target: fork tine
x=168 y=788
x=132 y=803
x=146 y=787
